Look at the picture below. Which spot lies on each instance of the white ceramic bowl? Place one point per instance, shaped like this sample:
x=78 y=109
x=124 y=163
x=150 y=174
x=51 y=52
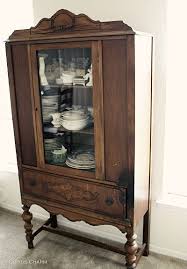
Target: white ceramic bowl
x=74 y=125
x=74 y=115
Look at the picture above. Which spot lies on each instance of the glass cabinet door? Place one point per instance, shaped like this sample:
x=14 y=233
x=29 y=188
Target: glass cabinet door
x=66 y=97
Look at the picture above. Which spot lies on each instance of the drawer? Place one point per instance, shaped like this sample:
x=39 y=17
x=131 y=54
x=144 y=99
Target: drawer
x=96 y=197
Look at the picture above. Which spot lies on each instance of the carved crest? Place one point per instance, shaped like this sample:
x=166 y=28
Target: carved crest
x=64 y=22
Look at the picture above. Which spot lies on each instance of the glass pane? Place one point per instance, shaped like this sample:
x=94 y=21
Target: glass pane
x=66 y=92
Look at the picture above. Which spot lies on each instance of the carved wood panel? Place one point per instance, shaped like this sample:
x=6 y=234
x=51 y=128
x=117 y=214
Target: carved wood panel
x=73 y=193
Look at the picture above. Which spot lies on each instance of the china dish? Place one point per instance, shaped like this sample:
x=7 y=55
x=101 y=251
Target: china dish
x=74 y=115
x=49 y=106
x=81 y=159
x=74 y=125
x=79 y=80
x=75 y=120
x=68 y=163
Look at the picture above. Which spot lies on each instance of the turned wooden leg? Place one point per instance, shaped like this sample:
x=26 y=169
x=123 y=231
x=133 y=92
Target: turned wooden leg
x=146 y=233
x=27 y=217
x=131 y=248
x=53 y=221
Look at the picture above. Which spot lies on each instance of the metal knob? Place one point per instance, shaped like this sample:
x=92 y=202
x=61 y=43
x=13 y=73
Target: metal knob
x=109 y=201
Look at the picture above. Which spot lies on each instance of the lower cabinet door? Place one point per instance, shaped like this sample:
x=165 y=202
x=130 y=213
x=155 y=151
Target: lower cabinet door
x=96 y=197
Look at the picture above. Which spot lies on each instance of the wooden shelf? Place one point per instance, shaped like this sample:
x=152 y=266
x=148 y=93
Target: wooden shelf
x=82 y=87
x=67 y=86
x=65 y=165
x=87 y=130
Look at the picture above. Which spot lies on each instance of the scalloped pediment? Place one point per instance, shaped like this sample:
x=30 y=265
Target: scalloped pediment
x=64 y=22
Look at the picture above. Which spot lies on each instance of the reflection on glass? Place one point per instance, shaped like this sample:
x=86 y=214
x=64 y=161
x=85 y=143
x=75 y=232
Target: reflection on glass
x=66 y=90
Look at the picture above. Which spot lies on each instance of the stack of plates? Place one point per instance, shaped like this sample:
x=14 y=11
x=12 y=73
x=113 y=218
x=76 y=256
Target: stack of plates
x=81 y=159
x=51 y=144
x=50 y=104
x=79 y=80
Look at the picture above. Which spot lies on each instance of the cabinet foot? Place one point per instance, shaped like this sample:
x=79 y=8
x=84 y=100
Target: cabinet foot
x=27 y=217
x=54 y=223
x=131 y=248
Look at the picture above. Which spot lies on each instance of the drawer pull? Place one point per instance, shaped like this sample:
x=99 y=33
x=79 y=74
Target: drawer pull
x=109 y=201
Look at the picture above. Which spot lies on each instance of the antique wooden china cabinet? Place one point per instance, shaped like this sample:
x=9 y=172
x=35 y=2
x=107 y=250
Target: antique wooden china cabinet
x=81 y=101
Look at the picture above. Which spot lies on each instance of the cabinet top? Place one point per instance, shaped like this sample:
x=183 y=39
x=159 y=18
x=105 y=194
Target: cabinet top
x=65 y=24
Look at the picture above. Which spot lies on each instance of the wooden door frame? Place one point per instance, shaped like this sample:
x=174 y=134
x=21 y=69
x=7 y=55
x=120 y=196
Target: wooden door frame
x=96 y=51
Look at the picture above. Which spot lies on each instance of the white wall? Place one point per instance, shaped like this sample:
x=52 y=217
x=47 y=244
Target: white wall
x=176 y=110
x=13 y=15
x=168 y=223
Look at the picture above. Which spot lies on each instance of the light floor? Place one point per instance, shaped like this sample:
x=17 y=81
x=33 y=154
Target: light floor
x=55 y=251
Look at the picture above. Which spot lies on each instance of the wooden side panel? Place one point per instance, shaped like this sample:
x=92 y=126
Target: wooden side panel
x=131 y=124
x=24 y=105
x=143 y=51
x=98 y=109
x=115 y=108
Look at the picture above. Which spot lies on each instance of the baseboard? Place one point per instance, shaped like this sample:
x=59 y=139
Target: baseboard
x=169 y=252
x=12 y=168
x=11 y=208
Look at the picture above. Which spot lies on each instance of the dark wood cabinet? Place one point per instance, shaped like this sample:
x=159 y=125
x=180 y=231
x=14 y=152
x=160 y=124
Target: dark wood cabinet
x=81 y=106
